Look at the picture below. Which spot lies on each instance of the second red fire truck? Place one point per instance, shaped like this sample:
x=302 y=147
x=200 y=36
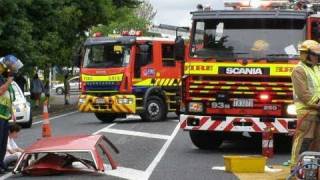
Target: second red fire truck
x=237 y=71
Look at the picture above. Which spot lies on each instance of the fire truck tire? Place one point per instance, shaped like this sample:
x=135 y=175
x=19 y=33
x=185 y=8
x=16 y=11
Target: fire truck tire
x=206 y=140
x=282 y=143
x=106 y=117
x=155 y=110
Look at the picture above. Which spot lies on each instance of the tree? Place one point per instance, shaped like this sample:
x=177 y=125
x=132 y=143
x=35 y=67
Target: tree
x=46 y=32
x=146 y=11
x=126 y=3
x=137 y=19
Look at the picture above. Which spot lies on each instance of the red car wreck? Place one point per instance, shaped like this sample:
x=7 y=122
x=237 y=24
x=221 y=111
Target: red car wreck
x=66 y=154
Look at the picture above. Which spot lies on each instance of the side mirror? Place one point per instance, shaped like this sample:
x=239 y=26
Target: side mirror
x=179 y=49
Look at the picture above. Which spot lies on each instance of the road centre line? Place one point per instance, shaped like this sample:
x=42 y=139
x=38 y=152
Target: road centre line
x=161 y=153
x=134 y=133
x=56 y=117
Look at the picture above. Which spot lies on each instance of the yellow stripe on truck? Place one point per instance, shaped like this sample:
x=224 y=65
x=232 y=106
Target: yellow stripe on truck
x=159 y=82
x=212 y=68
x=111 y=104
x=104 y=78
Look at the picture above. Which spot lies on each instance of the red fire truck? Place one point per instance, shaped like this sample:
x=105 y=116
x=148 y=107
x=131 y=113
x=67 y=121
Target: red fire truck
x=237 y=71
x=129 y=75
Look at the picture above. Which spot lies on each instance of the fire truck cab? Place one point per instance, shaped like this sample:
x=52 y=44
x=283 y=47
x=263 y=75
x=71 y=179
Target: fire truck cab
x=237 y=71
x=129 y=75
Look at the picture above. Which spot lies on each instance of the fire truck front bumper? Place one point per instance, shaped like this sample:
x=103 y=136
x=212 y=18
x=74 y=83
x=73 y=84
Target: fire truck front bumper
x=237 y=124
x=107 y=104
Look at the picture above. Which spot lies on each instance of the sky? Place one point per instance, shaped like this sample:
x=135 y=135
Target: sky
x=177 y=12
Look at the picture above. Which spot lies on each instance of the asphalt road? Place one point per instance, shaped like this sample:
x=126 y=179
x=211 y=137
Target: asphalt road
x=155 y=151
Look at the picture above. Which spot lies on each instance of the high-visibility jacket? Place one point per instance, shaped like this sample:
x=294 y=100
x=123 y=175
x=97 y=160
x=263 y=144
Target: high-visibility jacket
x=6 y=104
x=313 y=83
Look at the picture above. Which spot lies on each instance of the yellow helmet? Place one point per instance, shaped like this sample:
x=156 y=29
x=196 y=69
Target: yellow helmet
x=315 y=50
x=307 y=44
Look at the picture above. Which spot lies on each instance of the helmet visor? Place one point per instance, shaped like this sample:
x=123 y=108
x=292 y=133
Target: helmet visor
x=15 y=66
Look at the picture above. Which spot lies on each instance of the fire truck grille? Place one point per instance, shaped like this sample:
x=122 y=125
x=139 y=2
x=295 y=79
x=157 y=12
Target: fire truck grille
x=102 y=86
x=211 y=89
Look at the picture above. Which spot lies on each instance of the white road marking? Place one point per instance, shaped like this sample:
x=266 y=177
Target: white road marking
x=6 y=176
x=175 y=120
x=134 y=174
x=56 y=117
x=135 y=133
x=127 y=173
x=219 y=168
x=101 y=130
x=161 y=153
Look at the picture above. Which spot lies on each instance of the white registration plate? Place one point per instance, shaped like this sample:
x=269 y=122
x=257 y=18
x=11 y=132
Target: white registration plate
x=100 y=101
x=243 y=103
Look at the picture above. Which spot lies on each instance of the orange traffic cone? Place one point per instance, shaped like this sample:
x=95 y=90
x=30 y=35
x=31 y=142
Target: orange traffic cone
x=46 y=127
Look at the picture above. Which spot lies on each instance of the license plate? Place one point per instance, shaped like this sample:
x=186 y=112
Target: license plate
x=100 y=101
x=220 y=105
x=243 y=103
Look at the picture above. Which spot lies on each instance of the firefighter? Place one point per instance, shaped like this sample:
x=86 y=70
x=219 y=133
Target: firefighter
x=8 y=65
x=306 y=88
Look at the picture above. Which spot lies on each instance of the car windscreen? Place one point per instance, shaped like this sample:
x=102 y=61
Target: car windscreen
x=247 y=38
x=106 y=55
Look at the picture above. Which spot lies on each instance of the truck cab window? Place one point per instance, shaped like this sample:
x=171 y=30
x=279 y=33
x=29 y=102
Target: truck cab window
x=143 y=58
x=247 y=38
x=107 y=55
x=168 y=55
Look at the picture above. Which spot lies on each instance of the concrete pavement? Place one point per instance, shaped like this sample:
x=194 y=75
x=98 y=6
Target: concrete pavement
x=152 y=151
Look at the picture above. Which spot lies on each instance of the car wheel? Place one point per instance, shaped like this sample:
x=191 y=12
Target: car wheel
x=59 y=91
x=29 y=123
x=105 y=117
x=155 y=110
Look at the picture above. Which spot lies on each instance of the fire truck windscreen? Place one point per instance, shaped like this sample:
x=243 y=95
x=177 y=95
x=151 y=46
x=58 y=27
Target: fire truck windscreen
x=271 y=39
x=106 y=55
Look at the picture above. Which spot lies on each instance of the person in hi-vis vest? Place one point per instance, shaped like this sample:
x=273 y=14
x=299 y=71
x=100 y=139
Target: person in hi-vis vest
x=9 y=65
x=306 y=93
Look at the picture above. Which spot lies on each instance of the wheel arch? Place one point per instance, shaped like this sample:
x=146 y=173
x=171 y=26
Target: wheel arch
x=154 y=91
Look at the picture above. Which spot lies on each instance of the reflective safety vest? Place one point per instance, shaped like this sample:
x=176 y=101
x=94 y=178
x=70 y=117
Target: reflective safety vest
x=6 y=104
x=313 y=81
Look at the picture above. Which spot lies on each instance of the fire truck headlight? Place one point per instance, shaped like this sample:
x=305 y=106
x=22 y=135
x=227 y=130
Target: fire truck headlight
x=291 y=109
x=125 y=101
x=195 y=107
x=81 y=101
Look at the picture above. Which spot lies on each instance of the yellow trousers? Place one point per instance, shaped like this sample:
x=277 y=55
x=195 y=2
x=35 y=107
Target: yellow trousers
x=308 y=128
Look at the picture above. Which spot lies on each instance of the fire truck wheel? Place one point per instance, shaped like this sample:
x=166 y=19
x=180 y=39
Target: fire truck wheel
x=206 y=140
x=155 y=110
x=105 y=117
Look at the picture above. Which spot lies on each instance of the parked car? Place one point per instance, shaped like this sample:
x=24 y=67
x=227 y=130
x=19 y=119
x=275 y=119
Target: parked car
x=21 y=107
x=74 y=85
